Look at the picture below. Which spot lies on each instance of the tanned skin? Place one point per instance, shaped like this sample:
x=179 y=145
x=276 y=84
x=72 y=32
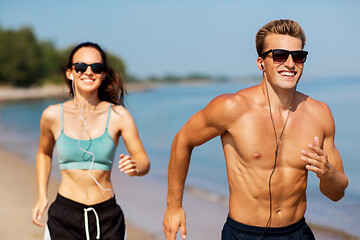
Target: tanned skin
x=243 y=122
x=76 y=184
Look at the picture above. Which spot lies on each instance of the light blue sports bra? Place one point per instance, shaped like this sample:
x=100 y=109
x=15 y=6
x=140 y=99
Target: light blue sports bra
x=70 y=156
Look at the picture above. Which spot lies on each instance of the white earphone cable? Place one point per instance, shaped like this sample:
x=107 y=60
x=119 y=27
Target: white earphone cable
x=82 y=113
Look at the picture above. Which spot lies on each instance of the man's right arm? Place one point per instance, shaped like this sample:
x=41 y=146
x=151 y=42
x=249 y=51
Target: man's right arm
x=201 y=127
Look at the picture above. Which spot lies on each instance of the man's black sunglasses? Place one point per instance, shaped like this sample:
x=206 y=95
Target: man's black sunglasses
x=281 y=55
x=95 y=67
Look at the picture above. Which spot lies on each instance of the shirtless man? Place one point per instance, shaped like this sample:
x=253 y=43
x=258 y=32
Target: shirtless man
x=271 y=136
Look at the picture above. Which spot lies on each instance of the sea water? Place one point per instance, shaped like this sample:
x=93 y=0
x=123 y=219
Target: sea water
x=160 y=113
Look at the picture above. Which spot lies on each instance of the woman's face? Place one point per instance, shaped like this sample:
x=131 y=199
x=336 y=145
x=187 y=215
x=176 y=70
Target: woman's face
x=87 y=79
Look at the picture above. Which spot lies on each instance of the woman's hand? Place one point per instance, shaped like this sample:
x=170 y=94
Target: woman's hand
x=38 y=211
x=128 y=165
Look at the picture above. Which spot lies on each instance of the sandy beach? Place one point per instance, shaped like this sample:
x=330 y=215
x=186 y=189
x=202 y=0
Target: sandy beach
x=142 y=199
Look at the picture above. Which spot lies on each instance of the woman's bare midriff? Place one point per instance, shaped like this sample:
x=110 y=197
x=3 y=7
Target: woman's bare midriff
x=77 y=185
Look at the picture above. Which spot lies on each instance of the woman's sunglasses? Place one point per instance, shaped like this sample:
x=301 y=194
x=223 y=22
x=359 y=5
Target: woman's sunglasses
x=281 y=55
x=95 y=67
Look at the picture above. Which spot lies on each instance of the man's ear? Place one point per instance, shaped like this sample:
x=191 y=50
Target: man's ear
x=260 y=63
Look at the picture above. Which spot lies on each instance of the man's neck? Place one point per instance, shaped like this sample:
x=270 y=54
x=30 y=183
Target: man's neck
x=280 y=99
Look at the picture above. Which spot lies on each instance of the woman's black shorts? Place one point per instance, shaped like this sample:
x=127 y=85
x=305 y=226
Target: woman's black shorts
x=68 y=219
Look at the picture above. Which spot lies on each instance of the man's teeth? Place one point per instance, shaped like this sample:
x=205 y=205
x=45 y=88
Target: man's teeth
x=288 y=74
x=88 y=80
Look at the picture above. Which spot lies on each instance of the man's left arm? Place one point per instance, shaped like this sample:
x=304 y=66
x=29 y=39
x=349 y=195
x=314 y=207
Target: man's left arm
x=325 y=160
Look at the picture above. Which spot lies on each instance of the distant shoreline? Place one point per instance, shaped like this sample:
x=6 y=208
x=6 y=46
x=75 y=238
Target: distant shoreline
x=8 y=93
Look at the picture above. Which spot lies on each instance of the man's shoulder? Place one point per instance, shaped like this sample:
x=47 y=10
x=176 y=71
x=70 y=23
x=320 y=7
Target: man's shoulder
x=236 y=100
x=319 y=111
x=230 y=106
x=313 y=104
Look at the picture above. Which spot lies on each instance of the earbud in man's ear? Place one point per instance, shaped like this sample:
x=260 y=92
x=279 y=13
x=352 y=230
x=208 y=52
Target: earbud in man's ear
x=262 y=66
x=71 y=76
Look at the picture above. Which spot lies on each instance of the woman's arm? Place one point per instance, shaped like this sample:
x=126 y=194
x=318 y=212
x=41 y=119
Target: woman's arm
x=137 y=162
x=43 y=165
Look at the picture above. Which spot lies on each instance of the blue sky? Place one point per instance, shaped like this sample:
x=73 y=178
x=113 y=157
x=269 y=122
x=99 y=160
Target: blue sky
x=161 y=37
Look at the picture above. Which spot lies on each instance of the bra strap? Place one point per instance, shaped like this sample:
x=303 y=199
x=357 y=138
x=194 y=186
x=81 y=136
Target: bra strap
x=62 y=117
x=107 y=122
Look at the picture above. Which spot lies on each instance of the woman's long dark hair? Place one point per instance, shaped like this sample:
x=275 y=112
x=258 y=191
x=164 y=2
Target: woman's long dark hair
x=112 y=88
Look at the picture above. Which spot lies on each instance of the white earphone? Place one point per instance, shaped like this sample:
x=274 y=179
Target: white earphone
x=71 y=76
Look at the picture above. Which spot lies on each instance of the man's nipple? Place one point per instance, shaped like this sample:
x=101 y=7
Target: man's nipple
x=257 y=155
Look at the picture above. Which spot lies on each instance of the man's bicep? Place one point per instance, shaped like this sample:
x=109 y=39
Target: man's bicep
x=334 y=157
x=198 y=130
x=333 y=154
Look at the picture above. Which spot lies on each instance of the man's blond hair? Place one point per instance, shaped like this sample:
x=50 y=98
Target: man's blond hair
x=281 y=26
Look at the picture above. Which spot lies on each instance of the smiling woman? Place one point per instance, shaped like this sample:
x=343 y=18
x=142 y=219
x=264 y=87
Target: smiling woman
x=112 y=88
x=86 y=132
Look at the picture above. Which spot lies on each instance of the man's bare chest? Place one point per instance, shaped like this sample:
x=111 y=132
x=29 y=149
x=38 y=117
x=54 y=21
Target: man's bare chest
x=255 y=139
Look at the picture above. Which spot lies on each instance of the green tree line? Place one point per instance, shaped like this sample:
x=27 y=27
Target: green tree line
x=26 y=61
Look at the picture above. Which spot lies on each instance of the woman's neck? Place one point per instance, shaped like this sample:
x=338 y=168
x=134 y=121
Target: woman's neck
x=87 y=102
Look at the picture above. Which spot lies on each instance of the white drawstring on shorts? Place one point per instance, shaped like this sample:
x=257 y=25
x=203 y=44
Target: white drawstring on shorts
x=86 y=210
